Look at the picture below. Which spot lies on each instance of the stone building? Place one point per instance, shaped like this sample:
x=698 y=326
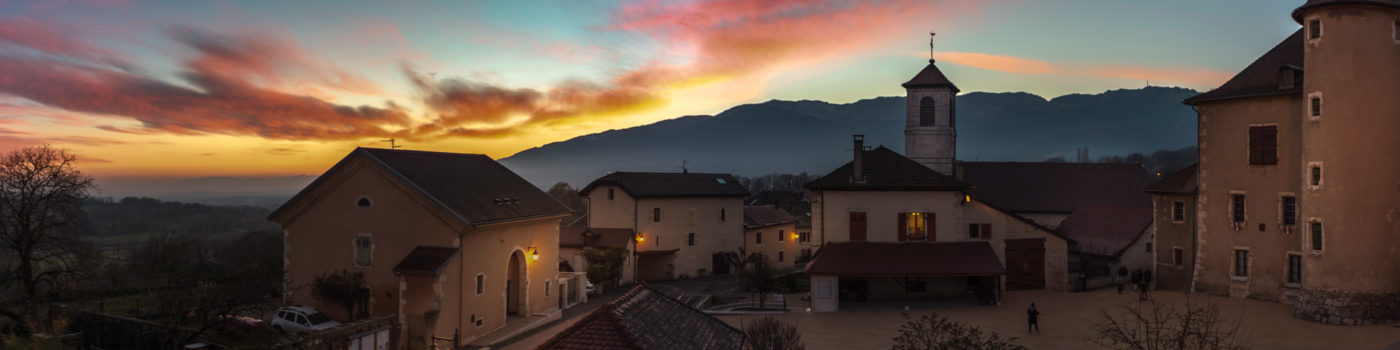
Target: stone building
x=686 y=224
x=1297 y=195
x=449 y=243
x=771 y=232
x=1174 y=218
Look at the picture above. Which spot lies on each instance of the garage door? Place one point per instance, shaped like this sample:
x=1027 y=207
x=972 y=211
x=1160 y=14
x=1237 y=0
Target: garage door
x=1025 y=263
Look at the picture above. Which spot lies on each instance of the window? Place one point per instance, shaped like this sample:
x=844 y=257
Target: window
x=758 y=238
x=1295 y=268
x=1178 y=211
x=1290 y=210
x=1286 y=78
x=364 y=247
x=721 y=214
x=780 y=235
x=979 y=231
x=913 y=226
x=1241 y=263
x=1149 y=247
x=926 y=111
x=1315 y=109
x=1237 y=209
x=610 y=194
x=1263 y=145
x=1315 y=237
x=780 y=256
x=480 y=284
x=655 y=214
x=364 y=202
x=1314 y=29
x=804 y=236
x=690 y=240
x=1315 y=175
x=546 y=288
x=857 y=226
x=1177 y=256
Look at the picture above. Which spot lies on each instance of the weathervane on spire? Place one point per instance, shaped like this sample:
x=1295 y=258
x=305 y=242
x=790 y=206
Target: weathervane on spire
x=930 y=45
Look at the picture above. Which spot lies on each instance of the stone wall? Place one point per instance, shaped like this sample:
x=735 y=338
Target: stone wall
x=1348 y=307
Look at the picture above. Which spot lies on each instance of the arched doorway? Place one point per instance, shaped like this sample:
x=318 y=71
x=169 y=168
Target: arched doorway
x=515 y=291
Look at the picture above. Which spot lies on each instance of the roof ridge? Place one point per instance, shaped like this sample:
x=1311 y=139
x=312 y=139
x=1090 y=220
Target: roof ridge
x=416 y=188
x=376 y=149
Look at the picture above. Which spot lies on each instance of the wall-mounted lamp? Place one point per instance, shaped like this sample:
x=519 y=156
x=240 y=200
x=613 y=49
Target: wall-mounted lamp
x=794 y=236
x=967 y=198
x=641 y=237
x=535 y=253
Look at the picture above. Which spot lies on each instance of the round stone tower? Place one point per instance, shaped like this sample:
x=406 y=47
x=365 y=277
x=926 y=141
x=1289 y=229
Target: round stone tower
x=1350 y=196
x=930 y=136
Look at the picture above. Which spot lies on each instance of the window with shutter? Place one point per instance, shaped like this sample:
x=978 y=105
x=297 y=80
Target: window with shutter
x=1263 y=145
x=857 y=226
x=363 y=250
x=987 y=231
x=1290 y=210
x=927 y=110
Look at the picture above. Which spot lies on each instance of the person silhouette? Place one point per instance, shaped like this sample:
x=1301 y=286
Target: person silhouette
x=1032 y=320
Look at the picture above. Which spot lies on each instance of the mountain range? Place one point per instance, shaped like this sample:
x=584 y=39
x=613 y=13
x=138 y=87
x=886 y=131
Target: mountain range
x=815 y=136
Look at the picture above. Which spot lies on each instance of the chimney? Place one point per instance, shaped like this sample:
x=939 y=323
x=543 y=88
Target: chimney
x=858 y=163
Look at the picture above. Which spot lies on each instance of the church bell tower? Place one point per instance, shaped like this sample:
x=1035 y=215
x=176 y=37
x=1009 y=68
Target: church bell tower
x=930 y=136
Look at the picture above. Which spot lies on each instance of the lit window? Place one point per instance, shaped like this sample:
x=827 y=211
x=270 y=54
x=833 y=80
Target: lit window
x=916 y=226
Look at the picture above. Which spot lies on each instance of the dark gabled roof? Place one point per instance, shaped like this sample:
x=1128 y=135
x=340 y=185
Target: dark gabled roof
x=641 y=185
x=578 y=237
x=886 y=170
x=930 y=77
x=1024 y=220
x=765 y=215
x=973 y=258
x=1182 y=182
x=1105 y=231
x=472 y=188
x=646 y=319
x=1312 y=4
x=1057 y=187
x=1261 y=78
x=426 y=260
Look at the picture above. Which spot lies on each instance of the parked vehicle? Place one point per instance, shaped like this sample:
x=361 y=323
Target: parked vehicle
x=588 y=288
x=296 y=319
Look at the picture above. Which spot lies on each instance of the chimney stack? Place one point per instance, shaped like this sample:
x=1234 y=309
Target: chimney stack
x=859 y=175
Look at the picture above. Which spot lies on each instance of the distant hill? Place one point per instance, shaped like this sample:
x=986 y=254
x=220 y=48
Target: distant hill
x=133 y=219
x=815 y=136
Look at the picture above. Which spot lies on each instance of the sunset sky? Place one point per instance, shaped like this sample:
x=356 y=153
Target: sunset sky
x=248 y=88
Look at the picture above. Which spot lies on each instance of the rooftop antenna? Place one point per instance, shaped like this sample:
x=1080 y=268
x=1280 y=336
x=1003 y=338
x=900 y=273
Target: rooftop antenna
x=392 y=145
x=684 y=170
x=930 y=45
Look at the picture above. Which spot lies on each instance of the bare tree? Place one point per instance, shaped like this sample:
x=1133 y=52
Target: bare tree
x=760 y=278
x=768 y=333
x=41 y=218
x=932 y=332
x=1160 y=326
x=341 y=287
x=192 y=291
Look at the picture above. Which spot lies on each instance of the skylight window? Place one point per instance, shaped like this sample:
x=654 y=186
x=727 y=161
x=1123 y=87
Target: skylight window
x=720 y=180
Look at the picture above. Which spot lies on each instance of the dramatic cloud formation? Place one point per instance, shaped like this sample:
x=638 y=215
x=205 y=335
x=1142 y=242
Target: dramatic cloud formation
x=1021 y=65
x=1000 y=63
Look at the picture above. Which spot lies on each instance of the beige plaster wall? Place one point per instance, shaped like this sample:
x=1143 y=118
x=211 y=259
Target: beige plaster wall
x=1171 y=234
x=712 y=235
x=771 y=245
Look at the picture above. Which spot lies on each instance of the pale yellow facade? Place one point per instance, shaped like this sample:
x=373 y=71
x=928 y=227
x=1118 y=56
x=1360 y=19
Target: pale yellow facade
x=779 y=243
x=716 y=224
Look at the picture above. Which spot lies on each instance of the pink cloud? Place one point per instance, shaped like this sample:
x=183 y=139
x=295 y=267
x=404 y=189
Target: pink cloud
x=1000 y=63
x=1188 y=76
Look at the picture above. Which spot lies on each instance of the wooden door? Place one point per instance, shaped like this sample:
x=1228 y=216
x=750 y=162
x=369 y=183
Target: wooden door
x=858 y=226
x=1025 y=263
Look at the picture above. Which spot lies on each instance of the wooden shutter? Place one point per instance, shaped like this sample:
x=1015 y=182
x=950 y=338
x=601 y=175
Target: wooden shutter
x=930 y=226
x=857 y=226
x=1263 y=145
x=986 y=231
x=903 y=227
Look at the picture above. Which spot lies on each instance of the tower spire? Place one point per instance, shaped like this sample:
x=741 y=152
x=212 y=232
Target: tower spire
x=930 y=46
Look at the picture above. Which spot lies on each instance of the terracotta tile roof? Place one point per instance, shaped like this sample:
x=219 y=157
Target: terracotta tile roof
x=1057 y=187
x=641 y=185
x=576 y=237
x=765 y=215
x=426 y=260
x=1182 y=182
x=972 y=258
x=1106 y=231
x=1298 y=13
x=887 y=170
x=473 y=188
x=930 y=77
x=644 y=318
x=1261 y=78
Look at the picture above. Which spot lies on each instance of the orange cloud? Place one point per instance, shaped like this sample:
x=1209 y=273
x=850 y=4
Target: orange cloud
x=1000 y=63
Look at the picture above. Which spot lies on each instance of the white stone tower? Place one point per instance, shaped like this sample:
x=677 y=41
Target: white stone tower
x=930 y=136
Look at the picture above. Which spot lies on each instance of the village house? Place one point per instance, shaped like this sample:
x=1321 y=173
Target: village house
x=1107 y=238
x=574 y=242
x=771 y=233
x=796 y=204
x=449 y=243
x=645 y=319
x=1174 y=230
x=1296 y=193
x=686 y=224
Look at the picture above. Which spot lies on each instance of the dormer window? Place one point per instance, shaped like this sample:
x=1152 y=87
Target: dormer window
x=1314 y=29
x=1286 y=78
